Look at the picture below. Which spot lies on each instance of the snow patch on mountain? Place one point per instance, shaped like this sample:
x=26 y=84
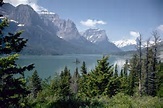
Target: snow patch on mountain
x=123 y=43
x=131 y=44
x=13 y=21
x=21 y=25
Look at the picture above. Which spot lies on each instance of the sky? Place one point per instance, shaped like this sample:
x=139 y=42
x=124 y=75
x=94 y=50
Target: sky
x=122 y=19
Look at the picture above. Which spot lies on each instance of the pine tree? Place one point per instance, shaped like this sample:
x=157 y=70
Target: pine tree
x=101 y=81
x=64 y=84
x=147 y=69
x=83 y=85
x=121 y=73
x=74 y=81
x=125 y=68
x=116 y=71
x=150 y=69
x=153 y=78
x=160 y=79
x=76 y=73
x=12 y=81
x=139 y=49
x=83 y=68
x=36 y=84
x=103 y=72
x=133 y=75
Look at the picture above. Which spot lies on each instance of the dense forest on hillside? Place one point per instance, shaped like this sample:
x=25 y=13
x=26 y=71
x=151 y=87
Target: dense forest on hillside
x=139 y=84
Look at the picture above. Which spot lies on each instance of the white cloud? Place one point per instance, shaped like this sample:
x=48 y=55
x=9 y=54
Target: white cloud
x=160 y=28
x=92 y=23
x=134 y=34
x=32 y=3
x=17 y=2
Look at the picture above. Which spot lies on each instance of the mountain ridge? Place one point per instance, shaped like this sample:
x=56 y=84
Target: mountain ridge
x=48 y=36
x=100 y=38
x=126 y=44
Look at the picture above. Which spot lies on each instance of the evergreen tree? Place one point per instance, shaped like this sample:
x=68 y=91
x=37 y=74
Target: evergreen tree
x=64 y=84
x=124 y=78
x=116 y=71
x=125 y=68
x=155 y=48
x=36 y=84
x=113 y=87
x=160 y=79
x=139 y=49
x=76 y=73
x=121 y=73
x=153 y=79
x=12 y=82
x=150 y=69
x=124 y=84
x=83 y=68
x=102 y=73
x=101 y=81
x=147 y=69
x=74 y=82
x=133 y=75
x=83 y=88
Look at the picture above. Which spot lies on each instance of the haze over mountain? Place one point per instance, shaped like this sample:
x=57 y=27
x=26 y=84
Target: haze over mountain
x=48 y=34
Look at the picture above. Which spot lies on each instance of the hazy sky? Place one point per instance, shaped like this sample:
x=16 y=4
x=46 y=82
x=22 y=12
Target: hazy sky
x=122 y=19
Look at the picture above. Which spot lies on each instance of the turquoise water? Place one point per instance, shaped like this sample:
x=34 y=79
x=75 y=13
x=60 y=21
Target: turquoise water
x=50 y=65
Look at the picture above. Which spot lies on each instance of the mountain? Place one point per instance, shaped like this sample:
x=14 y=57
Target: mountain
x=49 y=34
x=126 y=45
x=6 y=9
x=26 y=15
x=100 y=38
x=66 y=30
x=42 y=39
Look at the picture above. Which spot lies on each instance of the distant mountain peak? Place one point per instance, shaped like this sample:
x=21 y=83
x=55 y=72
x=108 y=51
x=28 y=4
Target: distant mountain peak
x=125 y=42
x=100 y=38
x=95 y=35
x=25 y=14
x=24 y=7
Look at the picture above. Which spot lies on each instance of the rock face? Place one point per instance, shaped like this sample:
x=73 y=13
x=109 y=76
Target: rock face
x=6 y=9
x=66 y=30
x=100 y=38
x=25 y=14
x=42 y=39
x=48 y=34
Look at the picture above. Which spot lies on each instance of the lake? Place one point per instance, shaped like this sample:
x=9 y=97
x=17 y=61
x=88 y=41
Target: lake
x=50 y=65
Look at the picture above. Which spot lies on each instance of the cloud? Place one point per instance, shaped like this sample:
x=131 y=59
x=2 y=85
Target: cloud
x=160 y=28
x=134 y=34
x=92 y=23
x=32 y=3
